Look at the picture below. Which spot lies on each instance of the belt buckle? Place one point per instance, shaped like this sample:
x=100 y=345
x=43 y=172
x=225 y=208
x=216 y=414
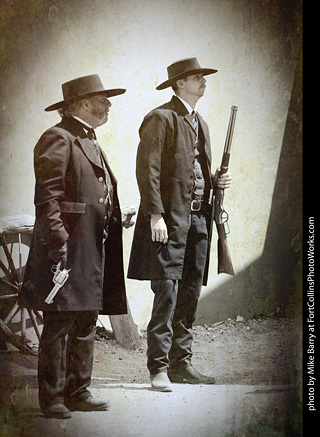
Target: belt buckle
x=196 y=205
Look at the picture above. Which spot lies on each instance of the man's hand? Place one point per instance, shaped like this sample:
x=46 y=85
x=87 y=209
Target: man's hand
x=127 y=213
x=59 y=254
x=222 y=182
x=159 y=230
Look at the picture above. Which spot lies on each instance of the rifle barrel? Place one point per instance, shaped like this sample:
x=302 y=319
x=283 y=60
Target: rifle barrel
x=232 y=120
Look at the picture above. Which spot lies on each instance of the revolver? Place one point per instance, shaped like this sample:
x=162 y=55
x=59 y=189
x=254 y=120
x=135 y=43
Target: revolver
x=59 y=279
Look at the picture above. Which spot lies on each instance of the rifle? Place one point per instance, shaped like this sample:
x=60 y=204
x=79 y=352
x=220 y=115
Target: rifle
x=220 y=215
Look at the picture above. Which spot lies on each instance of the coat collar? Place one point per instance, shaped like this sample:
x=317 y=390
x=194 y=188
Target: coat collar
x=181 y=110
x=178 y=106
x=73 y=126
x=76 y=128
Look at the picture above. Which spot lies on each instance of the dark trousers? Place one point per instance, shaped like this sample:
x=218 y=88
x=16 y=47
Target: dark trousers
x=169 y=331
x=66 y=355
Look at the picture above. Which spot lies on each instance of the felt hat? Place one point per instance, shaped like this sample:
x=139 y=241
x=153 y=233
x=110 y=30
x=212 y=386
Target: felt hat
x=183 y=68
x=82 y=87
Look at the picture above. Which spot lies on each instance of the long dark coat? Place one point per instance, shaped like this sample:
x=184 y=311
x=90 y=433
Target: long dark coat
x=165 y=178
x=69 y=200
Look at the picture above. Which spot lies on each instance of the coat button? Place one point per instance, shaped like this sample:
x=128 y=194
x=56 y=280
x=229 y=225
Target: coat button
x=100 y=179
x=101 y=200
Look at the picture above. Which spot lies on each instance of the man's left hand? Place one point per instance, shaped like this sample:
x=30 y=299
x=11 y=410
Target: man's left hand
x=127 y=214
x=223 y=182
x=59 y=254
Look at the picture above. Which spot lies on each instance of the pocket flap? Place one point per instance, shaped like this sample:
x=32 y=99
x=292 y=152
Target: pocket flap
x=75 y=207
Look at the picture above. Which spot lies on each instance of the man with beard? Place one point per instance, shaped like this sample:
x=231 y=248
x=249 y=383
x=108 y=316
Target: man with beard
x=78 y=226
x=171 y=243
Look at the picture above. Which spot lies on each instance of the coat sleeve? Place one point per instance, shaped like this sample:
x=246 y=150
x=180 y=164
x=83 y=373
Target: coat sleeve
x=51 y=157
x=148 y=166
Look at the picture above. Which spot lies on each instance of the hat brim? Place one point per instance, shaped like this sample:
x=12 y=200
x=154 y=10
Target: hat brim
x=109 y=93
x=173 y=79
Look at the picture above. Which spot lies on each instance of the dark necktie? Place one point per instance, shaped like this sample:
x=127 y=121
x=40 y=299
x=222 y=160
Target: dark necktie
x=198 y=188
x=194 y=120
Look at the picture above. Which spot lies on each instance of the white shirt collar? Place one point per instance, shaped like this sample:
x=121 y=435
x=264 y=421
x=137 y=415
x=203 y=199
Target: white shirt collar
x=186 y=104
x=82 y=121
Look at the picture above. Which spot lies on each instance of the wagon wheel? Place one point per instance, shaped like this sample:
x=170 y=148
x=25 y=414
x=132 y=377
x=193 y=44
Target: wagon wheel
x=10 y=283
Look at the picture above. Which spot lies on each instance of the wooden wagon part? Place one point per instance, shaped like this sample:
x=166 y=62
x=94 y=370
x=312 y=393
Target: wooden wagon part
x=18 y=230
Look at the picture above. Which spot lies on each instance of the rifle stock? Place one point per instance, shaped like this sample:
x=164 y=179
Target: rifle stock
x=224 y=258
x=220 y=215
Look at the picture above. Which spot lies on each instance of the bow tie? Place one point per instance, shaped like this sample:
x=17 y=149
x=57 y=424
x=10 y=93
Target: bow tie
x=91 y=133
x=88 y=130
x=93 y=138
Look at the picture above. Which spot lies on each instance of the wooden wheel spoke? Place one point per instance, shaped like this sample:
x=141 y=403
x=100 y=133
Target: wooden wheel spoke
x=8 y=296
x=16 y=318
x=34 y=323
x=38 y=315
x=10 y=286
x=15 y=339
x=6 y=272
x=9 y=259
x=12 y=313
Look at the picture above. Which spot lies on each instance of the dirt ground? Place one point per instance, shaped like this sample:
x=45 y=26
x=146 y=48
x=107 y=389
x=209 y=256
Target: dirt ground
x=239 y=353
x=264 y=351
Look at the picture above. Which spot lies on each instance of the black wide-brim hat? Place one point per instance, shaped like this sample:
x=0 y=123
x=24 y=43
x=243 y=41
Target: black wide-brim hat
x=82 y=87
x=184 y=68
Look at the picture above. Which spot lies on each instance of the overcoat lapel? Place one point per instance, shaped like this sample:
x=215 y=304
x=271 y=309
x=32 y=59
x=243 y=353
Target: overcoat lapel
x=88 y=149
x=86 y=145
x=206 y=136
x=112 y=176
x=188 y=119
x=182 y=111
x=91 y=154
